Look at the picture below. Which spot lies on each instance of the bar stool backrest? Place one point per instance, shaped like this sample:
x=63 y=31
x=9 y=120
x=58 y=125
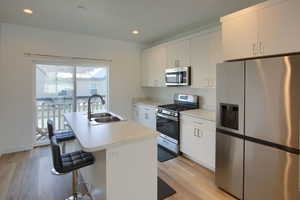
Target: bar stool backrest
x=50 y=127
x=56 y=155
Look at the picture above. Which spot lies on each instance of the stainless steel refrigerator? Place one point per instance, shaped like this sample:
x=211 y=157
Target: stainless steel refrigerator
x=258 y=119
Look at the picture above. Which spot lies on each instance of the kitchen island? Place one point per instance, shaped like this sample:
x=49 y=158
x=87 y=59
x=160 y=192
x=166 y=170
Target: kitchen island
x=125 y=153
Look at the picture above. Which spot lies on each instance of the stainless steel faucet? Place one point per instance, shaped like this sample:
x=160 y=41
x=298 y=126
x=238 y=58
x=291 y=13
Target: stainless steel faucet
x=89 y=104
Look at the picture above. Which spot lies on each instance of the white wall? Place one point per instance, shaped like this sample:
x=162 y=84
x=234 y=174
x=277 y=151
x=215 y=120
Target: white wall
x=17 y=76
x=207 y=96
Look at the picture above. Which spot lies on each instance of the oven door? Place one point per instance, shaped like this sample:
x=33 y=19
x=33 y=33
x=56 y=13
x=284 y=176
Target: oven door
x=168 y=126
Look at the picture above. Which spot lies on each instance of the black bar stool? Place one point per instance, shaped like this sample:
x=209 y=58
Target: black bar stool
x=61 y=137
x=70 y=162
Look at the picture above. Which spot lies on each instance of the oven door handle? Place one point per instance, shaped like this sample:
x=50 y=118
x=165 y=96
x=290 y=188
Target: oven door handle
x=167 y=117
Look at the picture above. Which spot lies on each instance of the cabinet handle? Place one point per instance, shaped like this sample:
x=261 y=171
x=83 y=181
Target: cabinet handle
x=254 y=49
x=261 y=48
x=195 y=132
x=199 y=133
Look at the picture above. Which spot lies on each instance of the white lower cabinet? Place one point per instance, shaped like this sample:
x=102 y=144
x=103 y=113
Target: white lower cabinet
x=145 y=115
x=198 y=138
x=136 y=113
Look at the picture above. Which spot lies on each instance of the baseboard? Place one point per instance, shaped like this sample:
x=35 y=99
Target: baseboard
x=16 y=149
x=199 y=162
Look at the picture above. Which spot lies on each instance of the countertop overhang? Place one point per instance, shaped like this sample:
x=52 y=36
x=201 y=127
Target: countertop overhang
x=103 y=136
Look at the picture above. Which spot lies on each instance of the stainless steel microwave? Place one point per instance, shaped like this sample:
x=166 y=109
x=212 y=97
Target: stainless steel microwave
x=179 y=76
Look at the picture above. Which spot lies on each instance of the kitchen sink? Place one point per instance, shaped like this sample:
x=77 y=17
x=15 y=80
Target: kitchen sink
x=107 y=119
x=103 y=118
x=100 y=115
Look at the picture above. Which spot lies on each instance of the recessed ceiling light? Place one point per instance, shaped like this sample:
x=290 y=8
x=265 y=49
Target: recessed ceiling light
x=135 y=32
x=28 y=11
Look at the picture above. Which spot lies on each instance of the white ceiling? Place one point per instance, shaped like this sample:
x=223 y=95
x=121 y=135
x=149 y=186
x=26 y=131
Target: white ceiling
x=156 y=19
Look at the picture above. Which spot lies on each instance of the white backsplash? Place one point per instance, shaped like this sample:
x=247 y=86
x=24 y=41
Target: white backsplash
x=207 y=96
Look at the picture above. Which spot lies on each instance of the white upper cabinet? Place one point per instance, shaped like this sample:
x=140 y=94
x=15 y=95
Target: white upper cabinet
x=205 y=53
x=159 y=65
x=279 y=27
x=240 y=36
x=146 y=63
x=201 y=51
x=153 y=66
x=269 y=28
x=178 y=54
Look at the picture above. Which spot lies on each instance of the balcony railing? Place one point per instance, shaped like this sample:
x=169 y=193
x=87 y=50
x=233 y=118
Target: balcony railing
x=55 y=108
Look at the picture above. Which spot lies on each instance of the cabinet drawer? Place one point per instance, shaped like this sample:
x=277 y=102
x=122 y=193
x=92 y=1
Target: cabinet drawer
x=198 y=122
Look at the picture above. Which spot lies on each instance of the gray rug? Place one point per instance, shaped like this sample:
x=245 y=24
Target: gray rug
x=164 y=190
x=164 y=155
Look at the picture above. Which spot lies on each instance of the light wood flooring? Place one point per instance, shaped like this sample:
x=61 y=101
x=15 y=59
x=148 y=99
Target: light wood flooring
x=26 y=176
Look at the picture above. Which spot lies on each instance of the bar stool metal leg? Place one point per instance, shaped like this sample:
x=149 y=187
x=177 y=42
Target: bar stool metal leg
x=76 y=195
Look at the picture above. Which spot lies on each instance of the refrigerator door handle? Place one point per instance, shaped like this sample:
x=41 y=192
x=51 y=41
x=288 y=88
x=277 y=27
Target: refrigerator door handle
x=274 y=145
x=228 y=133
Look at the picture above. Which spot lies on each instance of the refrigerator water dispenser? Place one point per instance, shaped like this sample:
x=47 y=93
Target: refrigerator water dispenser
x=229 y=116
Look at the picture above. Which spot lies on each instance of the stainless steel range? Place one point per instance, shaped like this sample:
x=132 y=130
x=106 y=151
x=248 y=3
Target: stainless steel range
x=167 y=120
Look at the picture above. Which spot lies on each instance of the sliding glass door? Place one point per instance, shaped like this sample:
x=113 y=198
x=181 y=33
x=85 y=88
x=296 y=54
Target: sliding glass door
x=66 y=88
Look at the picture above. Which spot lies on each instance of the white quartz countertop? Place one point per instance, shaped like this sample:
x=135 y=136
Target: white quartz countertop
x=200 y=113
x=103 y=136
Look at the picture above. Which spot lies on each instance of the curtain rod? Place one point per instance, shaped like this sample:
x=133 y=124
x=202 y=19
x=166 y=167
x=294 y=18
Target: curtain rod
x=66 y=57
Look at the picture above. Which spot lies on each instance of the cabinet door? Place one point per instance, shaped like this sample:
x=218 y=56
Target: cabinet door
x=178 y=54
x=151 y=118
x=205 y=142
x=205 y=52
x=240 y=36
x=279 y=28
x=147 y=116
x=187 y=137
x=153 y=66
x=135 y=113
x=140 y=114
x=159 y=64
x=146 y=57
x=215 y=57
